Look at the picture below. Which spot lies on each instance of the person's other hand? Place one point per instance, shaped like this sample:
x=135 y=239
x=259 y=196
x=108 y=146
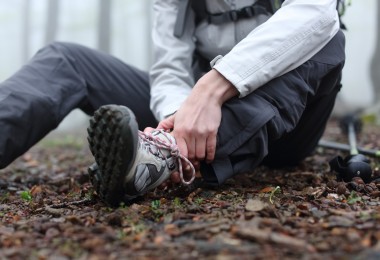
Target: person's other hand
x=175 y=176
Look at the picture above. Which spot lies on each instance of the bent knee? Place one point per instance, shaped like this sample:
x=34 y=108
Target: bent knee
x=62 y=48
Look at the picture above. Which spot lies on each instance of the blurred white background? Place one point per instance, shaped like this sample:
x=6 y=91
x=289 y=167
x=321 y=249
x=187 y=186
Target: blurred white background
x=361 y=36
x=122 y=28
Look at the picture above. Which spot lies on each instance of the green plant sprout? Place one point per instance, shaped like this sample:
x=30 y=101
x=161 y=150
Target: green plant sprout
x=353 y=198
x=273 y=193
x=26 y=195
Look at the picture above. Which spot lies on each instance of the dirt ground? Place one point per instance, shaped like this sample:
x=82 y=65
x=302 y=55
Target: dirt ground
x=48 y=210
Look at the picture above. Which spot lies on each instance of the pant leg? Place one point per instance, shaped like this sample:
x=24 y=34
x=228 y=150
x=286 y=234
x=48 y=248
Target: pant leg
x=58 y=79
x=296 y=145
x=287 y=112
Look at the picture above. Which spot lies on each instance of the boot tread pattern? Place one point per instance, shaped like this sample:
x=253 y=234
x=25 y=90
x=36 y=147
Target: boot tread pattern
x=106 y=145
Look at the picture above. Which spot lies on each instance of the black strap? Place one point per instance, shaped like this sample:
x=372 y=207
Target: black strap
x=234 y=15
x=183 y=10
x=199 y=7
x=259 y=7
x=341 y=8
x=184 y=6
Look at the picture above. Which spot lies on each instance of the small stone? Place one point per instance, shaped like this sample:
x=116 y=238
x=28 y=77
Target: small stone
x=341 y=188
x=332 y=184
x=51 y=233
x=255 y=205
x=375 y=194
x=114 y=219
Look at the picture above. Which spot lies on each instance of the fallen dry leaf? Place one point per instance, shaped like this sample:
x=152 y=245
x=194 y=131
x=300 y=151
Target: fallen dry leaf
x=266 y=190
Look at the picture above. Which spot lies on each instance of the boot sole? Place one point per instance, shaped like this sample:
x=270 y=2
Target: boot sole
x=112 y=138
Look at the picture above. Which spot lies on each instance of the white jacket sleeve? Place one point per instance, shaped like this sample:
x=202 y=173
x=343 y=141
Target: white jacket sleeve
x=170 y=77
x=297 y=31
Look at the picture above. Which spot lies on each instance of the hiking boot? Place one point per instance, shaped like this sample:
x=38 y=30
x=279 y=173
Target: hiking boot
x=129 y=162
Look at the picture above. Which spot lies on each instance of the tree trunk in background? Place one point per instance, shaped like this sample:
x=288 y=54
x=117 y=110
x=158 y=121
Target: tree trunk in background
x=104 y=25
x=375 y=66
x=25 y=37
x=52 y=21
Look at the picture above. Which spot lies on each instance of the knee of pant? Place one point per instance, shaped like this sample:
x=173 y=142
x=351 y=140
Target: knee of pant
x=60 y=47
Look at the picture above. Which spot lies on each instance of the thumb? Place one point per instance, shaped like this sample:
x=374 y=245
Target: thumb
x=167 y=123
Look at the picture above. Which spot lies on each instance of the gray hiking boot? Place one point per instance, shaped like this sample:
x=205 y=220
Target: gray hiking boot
x=129 y=162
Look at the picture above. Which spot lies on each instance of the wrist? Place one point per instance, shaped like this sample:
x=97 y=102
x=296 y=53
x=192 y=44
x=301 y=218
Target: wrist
x=215 y=86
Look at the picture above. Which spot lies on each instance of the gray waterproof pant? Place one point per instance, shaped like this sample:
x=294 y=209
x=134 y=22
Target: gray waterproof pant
x=278 y=124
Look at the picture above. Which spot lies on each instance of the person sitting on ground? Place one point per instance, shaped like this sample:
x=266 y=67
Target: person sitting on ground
x=265 y=97
x=234 y=84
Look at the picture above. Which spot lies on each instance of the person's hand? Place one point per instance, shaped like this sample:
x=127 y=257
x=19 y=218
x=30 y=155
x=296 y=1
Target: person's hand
x=195 y=127
x=195 y=124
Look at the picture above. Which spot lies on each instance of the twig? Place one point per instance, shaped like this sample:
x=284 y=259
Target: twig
x=52 y=208
x=76 y=203
x=53 y=211
x=203 y=226
x=193 y=194
x=259 y=235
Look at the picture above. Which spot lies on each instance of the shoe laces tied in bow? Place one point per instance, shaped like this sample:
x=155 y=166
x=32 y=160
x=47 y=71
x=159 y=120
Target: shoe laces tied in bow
x=170 y=145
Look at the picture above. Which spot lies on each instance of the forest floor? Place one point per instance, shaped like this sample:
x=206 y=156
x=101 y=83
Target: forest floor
x=48 y=210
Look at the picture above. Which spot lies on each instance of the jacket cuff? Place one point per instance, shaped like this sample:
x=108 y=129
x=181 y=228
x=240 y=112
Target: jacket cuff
x=229 y=73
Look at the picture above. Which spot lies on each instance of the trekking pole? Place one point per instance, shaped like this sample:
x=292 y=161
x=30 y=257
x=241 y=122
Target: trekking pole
x=356 y=164
x=346 y=148
x=352 y=135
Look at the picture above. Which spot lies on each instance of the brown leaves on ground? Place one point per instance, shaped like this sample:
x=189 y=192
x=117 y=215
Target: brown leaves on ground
x=48 y=210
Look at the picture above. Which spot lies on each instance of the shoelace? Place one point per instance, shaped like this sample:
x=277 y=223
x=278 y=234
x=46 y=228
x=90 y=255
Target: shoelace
x=174 y=151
